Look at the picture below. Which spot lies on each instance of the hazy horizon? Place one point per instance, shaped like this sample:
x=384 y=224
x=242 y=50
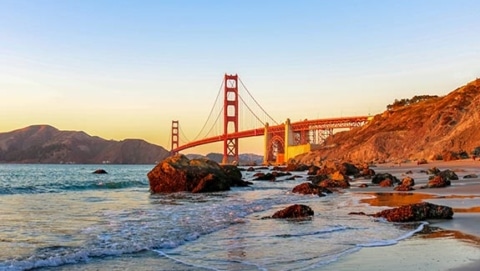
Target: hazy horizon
x=122 y=70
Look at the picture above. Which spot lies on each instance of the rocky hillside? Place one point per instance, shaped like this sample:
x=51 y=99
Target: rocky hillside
x=46 y=144
x=423 y=127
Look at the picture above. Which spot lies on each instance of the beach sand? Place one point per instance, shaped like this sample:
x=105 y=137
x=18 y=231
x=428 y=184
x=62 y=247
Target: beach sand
x=443 y=244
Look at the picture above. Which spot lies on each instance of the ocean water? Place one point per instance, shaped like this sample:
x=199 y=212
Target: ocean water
x=63 y=217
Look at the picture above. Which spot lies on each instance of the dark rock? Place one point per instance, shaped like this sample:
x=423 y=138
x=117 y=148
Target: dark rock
x=437 y=182
x=416 y=212
x=309 y=189
x=386 y=183
x=365 y=173
x=178 y=173
x=235 y=175
x=294 y=211
x=312 y=170
x=328 y=183
x=264 y=177
x=279 y=168
x=406 y=184
x=403 y=187
x=470 y=176
x=422 y=161
x=433 y=170
x=357 y=213
x=408 y=181
x=379 y=177
x=348 y=169
x=448 y=174
x=296 y=167
x=100 y=171
x=317 y=178
x=270 y=176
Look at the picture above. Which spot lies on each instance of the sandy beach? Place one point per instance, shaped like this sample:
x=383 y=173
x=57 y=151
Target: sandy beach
x=444 y=244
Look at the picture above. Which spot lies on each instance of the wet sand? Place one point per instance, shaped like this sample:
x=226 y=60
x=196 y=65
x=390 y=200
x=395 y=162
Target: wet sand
x=444 y=244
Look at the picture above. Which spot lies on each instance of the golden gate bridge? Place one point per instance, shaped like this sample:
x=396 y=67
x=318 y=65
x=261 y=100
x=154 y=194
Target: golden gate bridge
x=281 y=141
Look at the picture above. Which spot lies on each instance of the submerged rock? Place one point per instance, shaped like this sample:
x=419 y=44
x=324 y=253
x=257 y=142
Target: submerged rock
x=100 y=171
x=178 y=173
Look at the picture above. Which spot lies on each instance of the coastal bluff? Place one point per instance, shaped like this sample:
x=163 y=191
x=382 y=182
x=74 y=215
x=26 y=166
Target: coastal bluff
x=423 y=127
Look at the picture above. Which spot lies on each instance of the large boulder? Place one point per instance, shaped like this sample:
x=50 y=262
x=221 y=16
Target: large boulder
x=294 y=211
x=416 y=212
x=178 y=173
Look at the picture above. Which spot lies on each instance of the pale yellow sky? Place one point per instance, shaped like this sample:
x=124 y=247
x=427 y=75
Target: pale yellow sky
x=119 y=74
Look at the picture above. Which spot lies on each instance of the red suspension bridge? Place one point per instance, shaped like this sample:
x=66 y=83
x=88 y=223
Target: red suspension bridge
x=281 y=141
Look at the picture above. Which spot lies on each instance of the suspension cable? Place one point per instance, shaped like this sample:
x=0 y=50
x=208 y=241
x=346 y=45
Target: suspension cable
x=216 y=120
x=170 y=140
x=211 y=111
x=256 y=101
x=251 y=111
x=183 y=134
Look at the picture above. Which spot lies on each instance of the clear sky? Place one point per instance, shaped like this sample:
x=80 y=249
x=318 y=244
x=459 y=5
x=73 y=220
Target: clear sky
x=126 y=69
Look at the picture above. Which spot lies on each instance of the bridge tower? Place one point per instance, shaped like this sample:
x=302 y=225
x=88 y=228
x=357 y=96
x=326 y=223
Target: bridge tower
x=175 y=137
x=230 y=118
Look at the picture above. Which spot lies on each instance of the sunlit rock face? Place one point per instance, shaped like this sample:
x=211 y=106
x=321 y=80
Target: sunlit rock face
x=178 y=173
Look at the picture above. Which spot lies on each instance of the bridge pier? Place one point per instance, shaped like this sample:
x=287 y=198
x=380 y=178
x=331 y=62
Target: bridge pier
x=175 y=139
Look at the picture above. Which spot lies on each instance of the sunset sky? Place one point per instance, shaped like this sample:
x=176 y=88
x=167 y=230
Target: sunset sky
x=126 y=69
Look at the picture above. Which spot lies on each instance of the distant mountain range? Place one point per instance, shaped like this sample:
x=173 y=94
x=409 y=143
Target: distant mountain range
x=46 y=144
x=244 y=159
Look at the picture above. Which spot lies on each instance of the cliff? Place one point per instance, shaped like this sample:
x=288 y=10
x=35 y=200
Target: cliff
x=423 y=127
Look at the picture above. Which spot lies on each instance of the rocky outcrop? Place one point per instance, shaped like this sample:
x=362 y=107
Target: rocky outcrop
x=178 y=173
x=100 y=171
x=294 y=211
x=416 y=212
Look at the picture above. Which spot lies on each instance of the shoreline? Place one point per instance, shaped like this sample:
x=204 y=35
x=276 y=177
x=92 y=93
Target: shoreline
x=451 y=244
